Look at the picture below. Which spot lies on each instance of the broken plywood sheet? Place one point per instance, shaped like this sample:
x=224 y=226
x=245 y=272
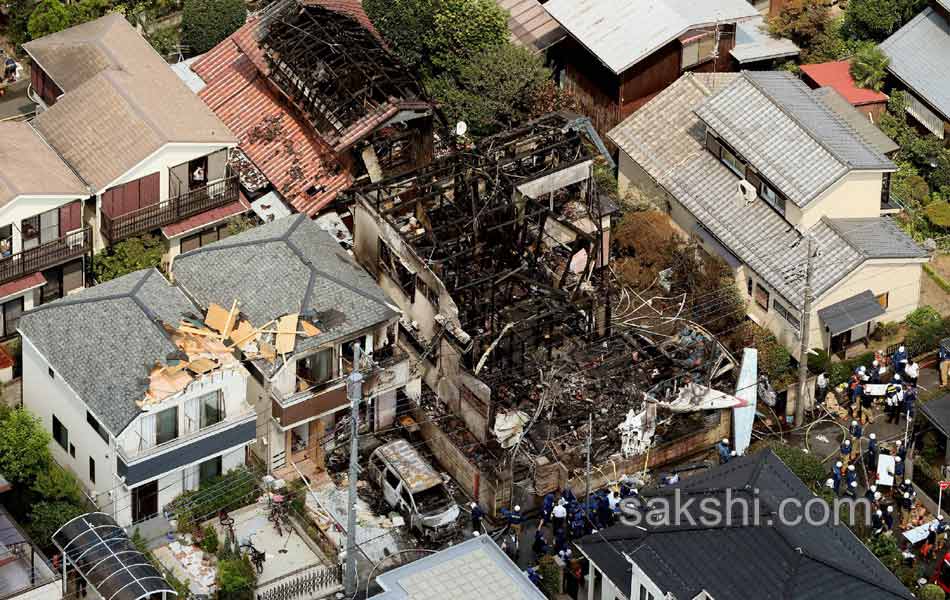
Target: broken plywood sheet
x=202 y=365
x=242 y=333
x=309 y=330
x=164 y=383
x=217 y=317
x=286 y=333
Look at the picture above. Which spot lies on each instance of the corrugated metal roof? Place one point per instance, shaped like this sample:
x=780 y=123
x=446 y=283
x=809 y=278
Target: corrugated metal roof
x=621 y=33
x=239 y=93
x=754 y=43
x=859 y=121
x=665 y=138
x=530 y=25
x=837 y=75
x=798 y=143
x=919 y=52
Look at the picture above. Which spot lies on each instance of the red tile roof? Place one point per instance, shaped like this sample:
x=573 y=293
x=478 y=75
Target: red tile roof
x=206 y=218
x=21 y=285
x=837 y=75
x=295 y=159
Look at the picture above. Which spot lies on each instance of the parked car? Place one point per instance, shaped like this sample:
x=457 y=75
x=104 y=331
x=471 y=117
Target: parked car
x=411 y=486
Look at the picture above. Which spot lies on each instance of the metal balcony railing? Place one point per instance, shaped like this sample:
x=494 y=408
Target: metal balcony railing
x=45 y=255
x=143 y=220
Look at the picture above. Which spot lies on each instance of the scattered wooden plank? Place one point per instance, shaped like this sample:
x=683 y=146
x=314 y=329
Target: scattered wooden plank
x=286 y=333
x=268 y=351
x=309 y=329
x=201 y=365
x=183 y=328
x=217 y=317
x=232 y=319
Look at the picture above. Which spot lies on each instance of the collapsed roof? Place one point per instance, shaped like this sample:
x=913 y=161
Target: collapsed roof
x=335 y=70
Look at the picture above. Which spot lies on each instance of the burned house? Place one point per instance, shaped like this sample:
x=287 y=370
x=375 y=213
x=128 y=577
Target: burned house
x=497 y=256
x=316 y=102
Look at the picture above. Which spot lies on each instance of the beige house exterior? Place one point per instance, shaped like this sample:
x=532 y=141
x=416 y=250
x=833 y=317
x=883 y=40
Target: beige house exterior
x=666 y=160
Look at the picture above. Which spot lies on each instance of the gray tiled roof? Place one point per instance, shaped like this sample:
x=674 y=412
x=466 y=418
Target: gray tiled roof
x=102 y=341
x=877 y=238
x=858 y=121
x=749 y=556
x=476 y=569
x=666 y=138
x=798 y=143
x=919 y=52
x=286 y=266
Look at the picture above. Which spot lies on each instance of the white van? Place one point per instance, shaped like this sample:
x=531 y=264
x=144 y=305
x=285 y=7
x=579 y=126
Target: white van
x=411 y=486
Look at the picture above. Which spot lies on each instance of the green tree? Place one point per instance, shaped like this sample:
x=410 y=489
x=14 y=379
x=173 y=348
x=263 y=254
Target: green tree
x=24 y=450
x=932 y=592
x=801 y=21
x=239 y=224
x=236 y=579
x=496 y=89
x=18 y=19
x=435 y=37
x=47 y=517
x=805 y=466
x=205 y=23
x=885 y=548
x=128 y=256
x=56 y=483
x=869 y=68
x=49 y=16
x=875 y=20
x=938 y=213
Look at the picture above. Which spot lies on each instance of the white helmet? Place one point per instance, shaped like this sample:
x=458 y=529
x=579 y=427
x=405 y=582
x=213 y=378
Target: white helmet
x=940 y=517
x=906 y=494
x=517 y=508
x=862 y=369
x=874 y=364
x=854 y=423
x=475 y=534
x=847 y=442
x=907 y=482
x=900 y=349
x=838 y=465
x=873 y=488
x=733 y=453
x=725 y=441
x=873 y=436
x=897 y=459
x=878 y=512
x=474 y=505
x=830 y=482
x=854 y=484
x=877 y=496
x=850 y=467
x=897 y=377
x=890 y=508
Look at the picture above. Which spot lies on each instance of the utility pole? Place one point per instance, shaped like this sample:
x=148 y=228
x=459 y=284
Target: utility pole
x=805 y=324
x=590 y=436
x=354 y=391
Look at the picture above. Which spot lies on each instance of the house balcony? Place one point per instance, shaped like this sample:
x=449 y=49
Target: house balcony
x=214 y=195
x=186 y=449
x=391 y=371
x=44 y=256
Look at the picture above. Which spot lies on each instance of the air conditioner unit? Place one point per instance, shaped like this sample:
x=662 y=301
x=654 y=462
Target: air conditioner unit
x=746 y=192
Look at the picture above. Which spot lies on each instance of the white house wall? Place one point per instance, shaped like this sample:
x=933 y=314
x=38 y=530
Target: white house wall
x=45 y=396
x=856 y=195
x=28 y=206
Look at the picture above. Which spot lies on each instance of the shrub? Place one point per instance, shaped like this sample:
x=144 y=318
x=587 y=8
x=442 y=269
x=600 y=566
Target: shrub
x=801 y=21
x=48 y=17
x=232 y=490
x=774 y=359
x=550 y=576
x=806 y=467
x=205 y=23
x=47 y=517
x=210 y=542
x=875 y=20
x=925 y=316
x=239 y=224
x=938 y=213
x=56 y=483
x=885 y=548
x=496 y=89
x=24 y=450
x=932 y=591
x=236 y=579
x=127 y=257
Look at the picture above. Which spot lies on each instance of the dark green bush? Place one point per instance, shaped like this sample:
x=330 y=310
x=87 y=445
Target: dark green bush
x=205 y=23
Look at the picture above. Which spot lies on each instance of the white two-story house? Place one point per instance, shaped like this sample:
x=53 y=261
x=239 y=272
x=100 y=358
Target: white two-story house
x=154 y=156
x=43 y=241
x=139 y=411
x=292 y=268
x=752 y=163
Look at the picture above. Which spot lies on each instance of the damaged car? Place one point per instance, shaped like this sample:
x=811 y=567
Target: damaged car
x=411 y=486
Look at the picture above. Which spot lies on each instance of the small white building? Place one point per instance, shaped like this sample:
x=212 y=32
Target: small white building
x=138 y=410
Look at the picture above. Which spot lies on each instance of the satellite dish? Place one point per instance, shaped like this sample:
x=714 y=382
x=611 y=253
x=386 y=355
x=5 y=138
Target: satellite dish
x=460 y=128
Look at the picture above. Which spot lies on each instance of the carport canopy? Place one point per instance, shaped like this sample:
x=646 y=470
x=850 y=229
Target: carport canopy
x=851 y=312
x=103 y=554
